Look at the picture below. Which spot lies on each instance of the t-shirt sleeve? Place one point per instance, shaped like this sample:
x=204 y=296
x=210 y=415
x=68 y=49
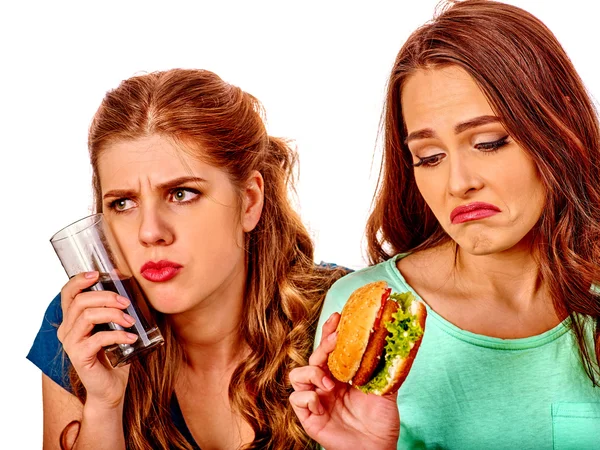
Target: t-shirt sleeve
x=47 y=352
x=336 y=299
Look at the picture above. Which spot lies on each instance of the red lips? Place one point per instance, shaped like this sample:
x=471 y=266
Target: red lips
x=473 y=211
x=160 y=271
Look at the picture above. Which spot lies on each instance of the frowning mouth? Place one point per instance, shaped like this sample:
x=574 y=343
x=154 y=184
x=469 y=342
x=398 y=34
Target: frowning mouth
x=473 y=211
x=160 y=271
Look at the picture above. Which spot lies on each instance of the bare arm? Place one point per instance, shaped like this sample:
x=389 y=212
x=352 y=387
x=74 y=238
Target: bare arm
x=99 y=423
x=100 y=427
x=60 y=408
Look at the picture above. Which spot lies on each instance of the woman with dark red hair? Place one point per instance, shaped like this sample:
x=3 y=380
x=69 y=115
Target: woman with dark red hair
x=488 y=211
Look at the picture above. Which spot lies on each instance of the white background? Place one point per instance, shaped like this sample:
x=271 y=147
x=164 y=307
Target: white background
x=318 y=67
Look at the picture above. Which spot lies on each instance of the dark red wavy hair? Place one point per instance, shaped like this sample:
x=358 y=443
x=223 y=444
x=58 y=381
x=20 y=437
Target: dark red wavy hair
x=533 y=88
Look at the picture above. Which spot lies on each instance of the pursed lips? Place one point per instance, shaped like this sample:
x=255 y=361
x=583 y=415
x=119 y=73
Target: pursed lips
x=160 y=271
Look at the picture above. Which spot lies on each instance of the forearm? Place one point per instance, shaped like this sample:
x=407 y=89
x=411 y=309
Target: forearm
x=101 y=428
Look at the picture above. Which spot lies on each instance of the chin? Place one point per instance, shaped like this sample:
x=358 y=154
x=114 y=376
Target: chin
x=480 y=245
x=493 y=241
x=168 y=307
x=486 y=247
x=479 y=251
x=165 y=303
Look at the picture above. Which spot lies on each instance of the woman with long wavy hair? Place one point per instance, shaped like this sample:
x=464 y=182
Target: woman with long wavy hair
x=488 y=211
x=184 y=171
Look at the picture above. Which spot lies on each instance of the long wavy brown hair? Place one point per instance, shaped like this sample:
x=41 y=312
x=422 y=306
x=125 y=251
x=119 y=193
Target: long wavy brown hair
x=533 y=88
x=225 y=127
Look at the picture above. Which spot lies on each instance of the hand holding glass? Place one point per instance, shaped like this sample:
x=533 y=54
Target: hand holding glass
x=88 y=245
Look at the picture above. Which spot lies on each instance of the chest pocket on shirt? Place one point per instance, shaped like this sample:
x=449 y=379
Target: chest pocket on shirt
x=576 y=426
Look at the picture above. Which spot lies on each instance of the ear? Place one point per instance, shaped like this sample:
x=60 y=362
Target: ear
x=252 y=201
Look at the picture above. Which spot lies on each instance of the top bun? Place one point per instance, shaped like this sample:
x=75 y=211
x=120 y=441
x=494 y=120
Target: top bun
x=356 y=322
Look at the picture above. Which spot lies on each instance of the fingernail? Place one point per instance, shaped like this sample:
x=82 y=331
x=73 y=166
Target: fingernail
x=332 y=336
x=123 y=300
x=132 y=337
x=321 y=410
x=328 y=383
x=92 y=274
x=129 y=319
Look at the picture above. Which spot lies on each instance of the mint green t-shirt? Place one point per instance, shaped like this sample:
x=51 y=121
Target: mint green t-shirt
x=469 y=391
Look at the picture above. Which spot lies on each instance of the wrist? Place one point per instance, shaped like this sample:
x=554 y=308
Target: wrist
x=101 y=409
x=105 y=399
x=101 y=427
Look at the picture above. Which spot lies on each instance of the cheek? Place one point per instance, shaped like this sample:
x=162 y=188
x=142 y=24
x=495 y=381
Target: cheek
x=422 y=185
x=536 y=200
x=126 y=235
x=216 y=234
x=432 y=190
x=526 y=186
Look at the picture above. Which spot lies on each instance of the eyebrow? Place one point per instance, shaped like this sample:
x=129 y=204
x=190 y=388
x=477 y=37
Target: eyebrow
x=428 y=133
x=163 y=186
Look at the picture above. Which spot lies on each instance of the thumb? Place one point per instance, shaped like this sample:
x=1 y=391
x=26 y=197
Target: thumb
x=392 y=396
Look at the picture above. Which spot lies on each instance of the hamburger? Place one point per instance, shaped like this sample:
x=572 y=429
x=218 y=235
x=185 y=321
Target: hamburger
x=379 y=334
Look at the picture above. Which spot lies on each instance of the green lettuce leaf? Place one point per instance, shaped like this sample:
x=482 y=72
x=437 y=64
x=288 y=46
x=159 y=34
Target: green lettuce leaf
x=404 y=331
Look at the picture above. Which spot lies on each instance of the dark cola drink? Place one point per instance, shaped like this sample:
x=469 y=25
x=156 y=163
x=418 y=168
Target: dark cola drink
x=149 y=337
x=89 y=245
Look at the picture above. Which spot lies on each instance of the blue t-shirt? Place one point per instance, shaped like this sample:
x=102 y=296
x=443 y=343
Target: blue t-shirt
x=47 y=354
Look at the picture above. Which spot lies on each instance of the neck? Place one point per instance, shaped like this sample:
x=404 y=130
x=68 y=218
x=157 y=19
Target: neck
x=210 y=333
x=510 y=278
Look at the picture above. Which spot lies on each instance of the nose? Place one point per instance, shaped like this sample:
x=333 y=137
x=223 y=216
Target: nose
x=154 y=228
x=463 y=177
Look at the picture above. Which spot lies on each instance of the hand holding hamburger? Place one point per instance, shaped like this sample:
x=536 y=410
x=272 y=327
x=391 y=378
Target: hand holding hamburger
x=333 y=412
x=379 y=334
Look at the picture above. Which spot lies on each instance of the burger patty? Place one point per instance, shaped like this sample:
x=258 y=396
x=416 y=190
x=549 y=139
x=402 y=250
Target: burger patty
x=374 y=351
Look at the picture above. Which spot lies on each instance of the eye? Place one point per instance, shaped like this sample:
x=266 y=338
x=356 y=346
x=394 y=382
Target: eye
x=429 y=161
x=121 y=204
x=492 y=146
x=183 y=195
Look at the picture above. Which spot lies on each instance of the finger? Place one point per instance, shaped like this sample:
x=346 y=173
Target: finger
x=86 y=351
x=84 y=324
x=305 y=404
x=321 y=353
x=319 y=356
x=93 y=299
x=308 y=378
x=107 y=338
x=391 y=396
x=97 y=299
x=75 y=285
x=87 y=300
x=330 y=326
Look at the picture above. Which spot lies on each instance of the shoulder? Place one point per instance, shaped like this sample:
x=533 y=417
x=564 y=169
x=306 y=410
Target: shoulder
x=340 y=291
x=342 y=288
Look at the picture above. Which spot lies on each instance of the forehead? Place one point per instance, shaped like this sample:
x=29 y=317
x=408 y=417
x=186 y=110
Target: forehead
x=441 y=94
x=156 y=159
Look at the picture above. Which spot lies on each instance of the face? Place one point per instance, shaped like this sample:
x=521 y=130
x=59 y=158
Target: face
x=180 y=222
x=481 y=185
